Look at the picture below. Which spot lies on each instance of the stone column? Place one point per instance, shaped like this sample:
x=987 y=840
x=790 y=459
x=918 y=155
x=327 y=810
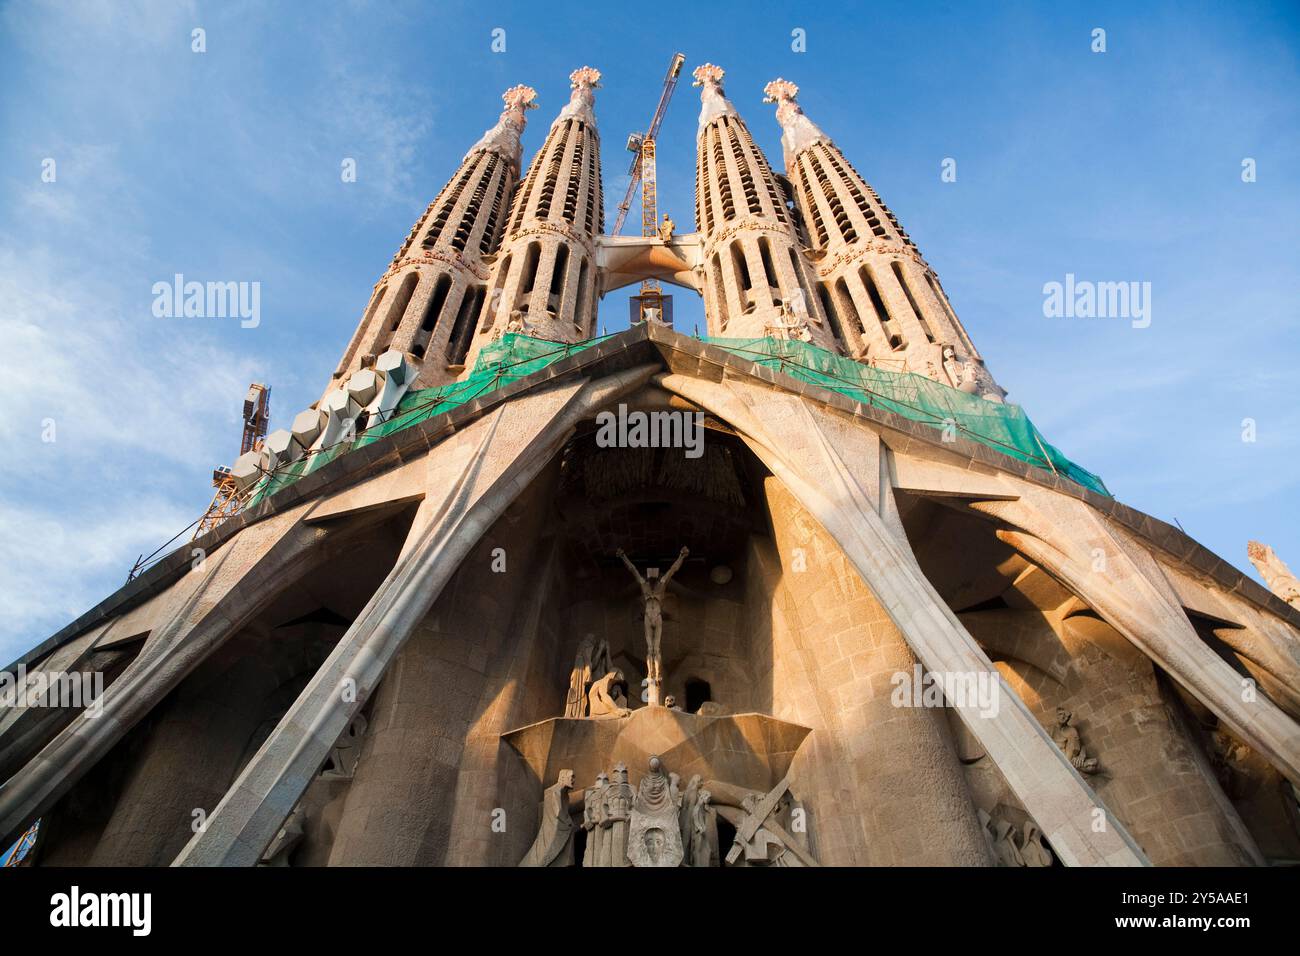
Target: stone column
x=886 y=786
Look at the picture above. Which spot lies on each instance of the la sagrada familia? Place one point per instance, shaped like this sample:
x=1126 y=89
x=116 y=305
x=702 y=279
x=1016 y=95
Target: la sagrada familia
x=475 y=612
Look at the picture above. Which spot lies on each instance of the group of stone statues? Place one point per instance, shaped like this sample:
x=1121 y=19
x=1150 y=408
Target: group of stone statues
x=1002 y=837
x=590 y=664
x=658 y=824
x=598 y=689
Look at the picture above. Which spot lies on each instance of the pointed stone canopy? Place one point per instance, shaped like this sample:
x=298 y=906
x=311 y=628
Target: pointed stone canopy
x=503 y=138
x=713 y=100
x=582 y=101
x=798 y=132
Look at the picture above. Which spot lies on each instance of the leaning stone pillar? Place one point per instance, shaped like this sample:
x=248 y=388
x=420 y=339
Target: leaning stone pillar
x=430 y=751
x=233 y=584
x=472 y=477
x=1066 y=538
x=882 y=783
x=815 y=453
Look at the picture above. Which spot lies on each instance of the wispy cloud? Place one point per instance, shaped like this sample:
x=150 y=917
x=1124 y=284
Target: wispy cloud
x=110 y=424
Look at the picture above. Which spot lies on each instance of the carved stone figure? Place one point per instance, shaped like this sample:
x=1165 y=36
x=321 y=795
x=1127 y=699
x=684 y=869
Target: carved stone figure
x=655 y=837
x=688 y=803
x=959 y=375
x=791 y=323
x=1004 y=843
x=1227 y=758
x=606 y=698
x=756 y=845
x=666 y=228
x=652 y=598
x=616 y=816
x=575 y=701
x=1275 y=573
x=1032 y=849
x=592 y=808
x=553 y=845
x=1067 y=738
x=761 y=839
x=517 y=324
x=704 y=831
x=592 y=658
x=671 y=702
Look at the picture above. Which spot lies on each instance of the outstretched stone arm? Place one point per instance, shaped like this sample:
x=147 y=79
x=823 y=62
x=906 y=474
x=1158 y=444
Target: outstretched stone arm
x=677 y=565
x=632 y=567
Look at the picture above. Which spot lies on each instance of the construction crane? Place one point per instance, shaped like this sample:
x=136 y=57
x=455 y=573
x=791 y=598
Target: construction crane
x=225 y=500
x=17 y=855
x=650 y=303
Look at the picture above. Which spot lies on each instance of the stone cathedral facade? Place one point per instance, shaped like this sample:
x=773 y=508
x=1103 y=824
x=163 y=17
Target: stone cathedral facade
x=472 y=615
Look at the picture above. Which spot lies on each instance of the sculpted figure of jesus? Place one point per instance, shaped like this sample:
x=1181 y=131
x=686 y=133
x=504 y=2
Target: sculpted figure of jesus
x=652 y=601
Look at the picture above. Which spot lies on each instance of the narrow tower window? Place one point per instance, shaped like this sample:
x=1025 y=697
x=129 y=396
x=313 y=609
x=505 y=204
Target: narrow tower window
x=892 y=334
x=828 y=306
x=529 y=276
x=463 y=328
x=557 y=277
x=502 y=274
x=489 y=239
x=769 y=270
x=720 y=291
x=398 y=308
x=432 y=313
x=580 y=316
x=845 y=299
x=911 y=299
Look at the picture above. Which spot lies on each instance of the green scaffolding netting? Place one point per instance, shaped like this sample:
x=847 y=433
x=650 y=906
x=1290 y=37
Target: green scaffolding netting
x=915 y=397
x=498 y=364
x=1002 y=426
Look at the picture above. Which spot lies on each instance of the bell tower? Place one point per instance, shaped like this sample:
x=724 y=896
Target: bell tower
x=882 y=297
x=543 y=284
x=756 y=282
x=426 y=303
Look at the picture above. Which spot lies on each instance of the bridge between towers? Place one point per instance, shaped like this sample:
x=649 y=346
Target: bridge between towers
x=622 y=260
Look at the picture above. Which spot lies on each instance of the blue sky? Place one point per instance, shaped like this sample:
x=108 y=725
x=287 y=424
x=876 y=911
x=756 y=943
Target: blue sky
x=225 y=165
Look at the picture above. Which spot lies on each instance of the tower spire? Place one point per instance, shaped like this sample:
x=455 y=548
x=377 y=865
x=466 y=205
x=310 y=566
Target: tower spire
x=504 y=137
x=756 y=282
x=582 y=101
x=883 y=298
x=713 y=101
x=544 y=282
x=798 y=132
x=426 y=303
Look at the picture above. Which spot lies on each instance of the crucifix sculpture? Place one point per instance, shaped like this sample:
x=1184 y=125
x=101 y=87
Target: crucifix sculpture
x=652 y=597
